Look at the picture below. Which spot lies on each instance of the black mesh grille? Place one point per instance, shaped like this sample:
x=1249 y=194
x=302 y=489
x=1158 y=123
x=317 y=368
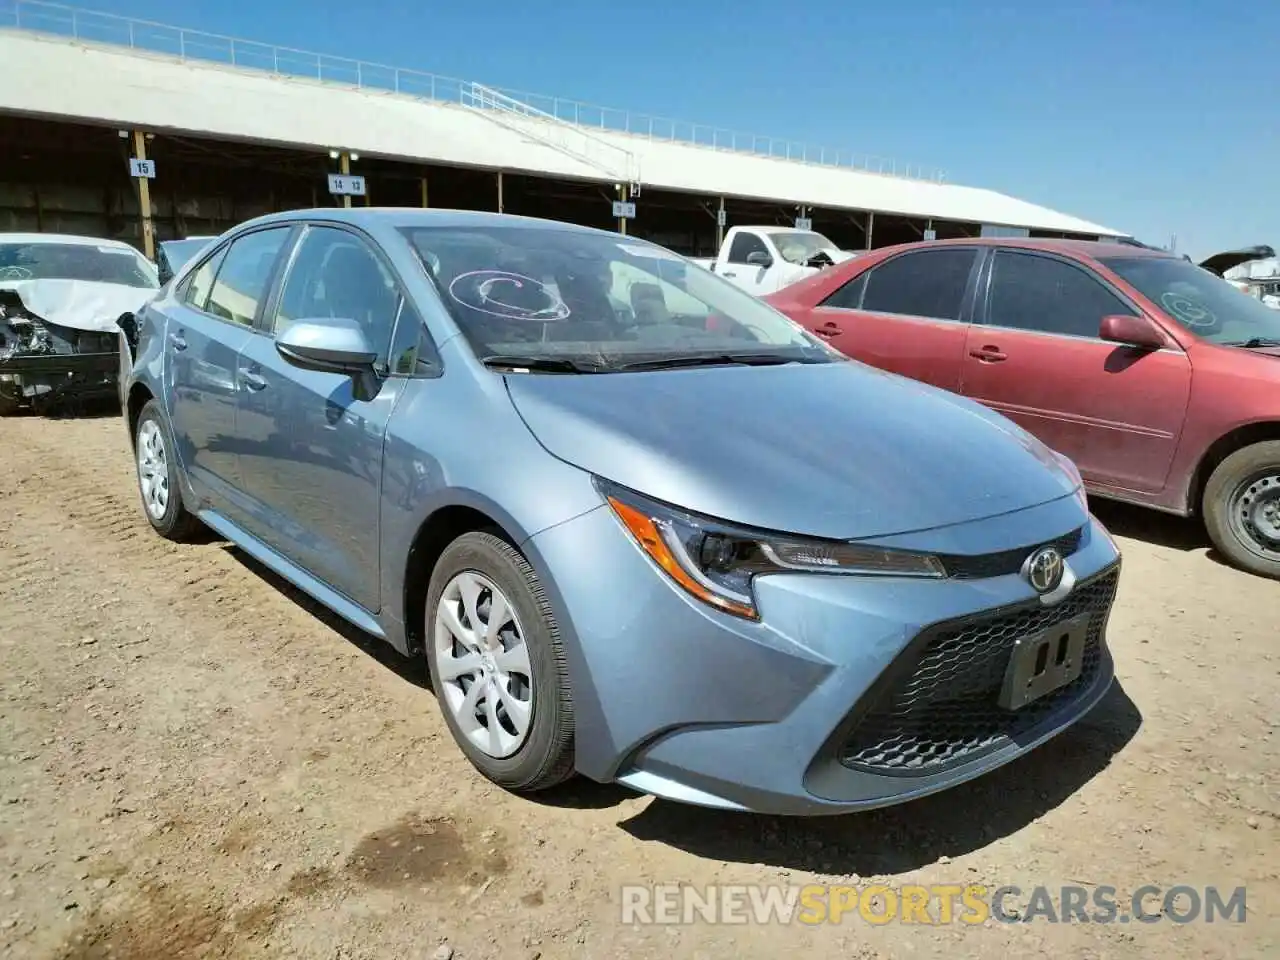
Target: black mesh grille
x=944 y=709
x=1006 y=561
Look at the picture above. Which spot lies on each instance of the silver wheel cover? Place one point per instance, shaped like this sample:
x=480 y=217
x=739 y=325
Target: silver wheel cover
x=153 y=469
x=481 y=664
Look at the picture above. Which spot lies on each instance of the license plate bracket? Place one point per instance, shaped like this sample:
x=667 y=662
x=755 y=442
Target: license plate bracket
x=1044 y=661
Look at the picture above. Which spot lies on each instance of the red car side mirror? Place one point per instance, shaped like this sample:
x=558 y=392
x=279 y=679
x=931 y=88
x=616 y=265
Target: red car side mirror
x=1132 y=332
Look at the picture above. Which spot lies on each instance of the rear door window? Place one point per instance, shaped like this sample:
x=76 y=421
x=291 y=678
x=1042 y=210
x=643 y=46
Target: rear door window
x=201 y=281
x=848 y=296
x=926 y=283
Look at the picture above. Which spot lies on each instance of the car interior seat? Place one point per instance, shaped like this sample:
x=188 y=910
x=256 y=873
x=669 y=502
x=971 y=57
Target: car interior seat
x=648 y=304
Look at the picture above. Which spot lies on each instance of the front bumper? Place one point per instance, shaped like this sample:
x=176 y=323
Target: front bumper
x=851 y=693
x=51 y=377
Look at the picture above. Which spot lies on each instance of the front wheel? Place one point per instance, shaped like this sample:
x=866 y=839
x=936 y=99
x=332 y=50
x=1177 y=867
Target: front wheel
x=497 y=664
x=1242 y=508
x=158 y=481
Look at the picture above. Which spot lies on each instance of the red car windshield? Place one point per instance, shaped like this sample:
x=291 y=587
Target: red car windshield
x=1200 y=301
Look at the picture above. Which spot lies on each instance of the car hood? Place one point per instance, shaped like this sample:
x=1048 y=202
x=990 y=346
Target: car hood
x=79 y=304
x=836 y=450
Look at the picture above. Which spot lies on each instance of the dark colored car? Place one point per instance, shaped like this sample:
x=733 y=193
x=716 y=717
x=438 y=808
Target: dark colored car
x=1156 y=376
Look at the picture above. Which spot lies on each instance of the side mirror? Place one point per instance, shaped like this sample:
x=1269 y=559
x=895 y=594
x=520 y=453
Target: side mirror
x=1132 y=332
x=759 y=258
x=332 y=345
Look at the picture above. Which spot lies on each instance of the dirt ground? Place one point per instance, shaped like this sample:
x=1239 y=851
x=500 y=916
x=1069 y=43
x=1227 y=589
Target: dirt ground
x=195 y=761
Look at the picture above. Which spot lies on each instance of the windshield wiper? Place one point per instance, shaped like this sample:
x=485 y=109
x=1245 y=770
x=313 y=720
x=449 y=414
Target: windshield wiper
x=1254 y=342
x=716 y=360
x=537 y=364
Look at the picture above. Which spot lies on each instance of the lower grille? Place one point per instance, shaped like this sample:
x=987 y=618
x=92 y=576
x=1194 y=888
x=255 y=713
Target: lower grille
x=944 y=709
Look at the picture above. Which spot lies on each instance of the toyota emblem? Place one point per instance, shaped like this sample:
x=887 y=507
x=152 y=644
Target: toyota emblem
x=1044 y=570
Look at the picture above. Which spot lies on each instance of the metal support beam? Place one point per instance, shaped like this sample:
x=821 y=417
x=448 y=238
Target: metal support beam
x=871 y=225
x=501 y=200
x=344 y=168
x=144 y=198
x=721 y=220
x=622 y=221
x=424 y=192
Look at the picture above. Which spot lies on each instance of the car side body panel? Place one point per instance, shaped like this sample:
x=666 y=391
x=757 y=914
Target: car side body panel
x=1138 y=425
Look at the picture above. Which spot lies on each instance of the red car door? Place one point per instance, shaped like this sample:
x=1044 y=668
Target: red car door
x=906 y=314
x=1034 y=354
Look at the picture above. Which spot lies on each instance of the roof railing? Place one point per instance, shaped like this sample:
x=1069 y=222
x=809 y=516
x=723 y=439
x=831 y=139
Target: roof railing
x=91 y=26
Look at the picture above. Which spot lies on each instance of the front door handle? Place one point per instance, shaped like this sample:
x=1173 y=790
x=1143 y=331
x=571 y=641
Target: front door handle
x=254 y=381
x=178 y=341
x=728 y=274
x=829 y=329
x=989 y=354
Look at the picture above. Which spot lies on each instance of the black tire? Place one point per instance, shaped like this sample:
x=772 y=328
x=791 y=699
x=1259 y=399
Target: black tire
x=10 y=398
x=177 y=523
x=1248 y=465
x=545 y=759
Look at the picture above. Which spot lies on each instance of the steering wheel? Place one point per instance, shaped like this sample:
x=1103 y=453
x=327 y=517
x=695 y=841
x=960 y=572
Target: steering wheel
x=16 y=273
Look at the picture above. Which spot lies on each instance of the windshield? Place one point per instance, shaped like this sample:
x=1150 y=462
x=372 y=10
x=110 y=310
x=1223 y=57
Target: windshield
x=599 y=300
x=75 y=261
x=1200 y=301
x=798 y=246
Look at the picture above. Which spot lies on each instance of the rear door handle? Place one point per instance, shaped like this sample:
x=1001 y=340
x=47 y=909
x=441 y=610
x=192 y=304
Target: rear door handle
x=179 y=342
x=829 y=329
x=989 y=354
x=254 y=381
x=728 y=274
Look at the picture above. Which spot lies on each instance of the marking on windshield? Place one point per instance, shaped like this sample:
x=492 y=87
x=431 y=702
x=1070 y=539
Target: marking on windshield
x=1188 y=311
x=498 y=293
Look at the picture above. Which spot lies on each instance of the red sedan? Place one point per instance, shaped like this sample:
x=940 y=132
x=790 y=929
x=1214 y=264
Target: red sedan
x=1158 y=378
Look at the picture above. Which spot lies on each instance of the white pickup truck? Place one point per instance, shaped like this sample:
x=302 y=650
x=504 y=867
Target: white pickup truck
x=761 y=260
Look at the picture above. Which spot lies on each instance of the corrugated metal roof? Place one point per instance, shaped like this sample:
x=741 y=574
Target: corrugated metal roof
x=73 y=80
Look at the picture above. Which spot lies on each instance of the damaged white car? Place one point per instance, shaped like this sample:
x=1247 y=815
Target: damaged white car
x=61 y=302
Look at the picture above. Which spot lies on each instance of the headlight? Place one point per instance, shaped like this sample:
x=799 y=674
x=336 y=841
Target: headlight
x=716 y=561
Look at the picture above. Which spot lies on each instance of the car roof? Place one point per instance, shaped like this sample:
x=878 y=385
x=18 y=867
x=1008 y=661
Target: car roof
x=1093 y=249
x=397 y=217
x=68 y=238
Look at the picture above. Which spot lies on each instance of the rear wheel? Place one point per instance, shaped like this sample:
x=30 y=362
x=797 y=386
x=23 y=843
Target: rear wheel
x=497 y=664
x=1242 y=508
x=158 y=481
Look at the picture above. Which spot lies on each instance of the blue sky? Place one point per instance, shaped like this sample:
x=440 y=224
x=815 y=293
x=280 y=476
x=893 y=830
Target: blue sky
x=1155 y=117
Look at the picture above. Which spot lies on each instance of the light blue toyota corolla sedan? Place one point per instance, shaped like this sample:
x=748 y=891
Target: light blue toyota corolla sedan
x=641 y=526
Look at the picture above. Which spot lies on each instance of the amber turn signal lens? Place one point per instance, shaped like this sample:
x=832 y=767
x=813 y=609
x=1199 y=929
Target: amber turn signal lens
x=646 y=533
